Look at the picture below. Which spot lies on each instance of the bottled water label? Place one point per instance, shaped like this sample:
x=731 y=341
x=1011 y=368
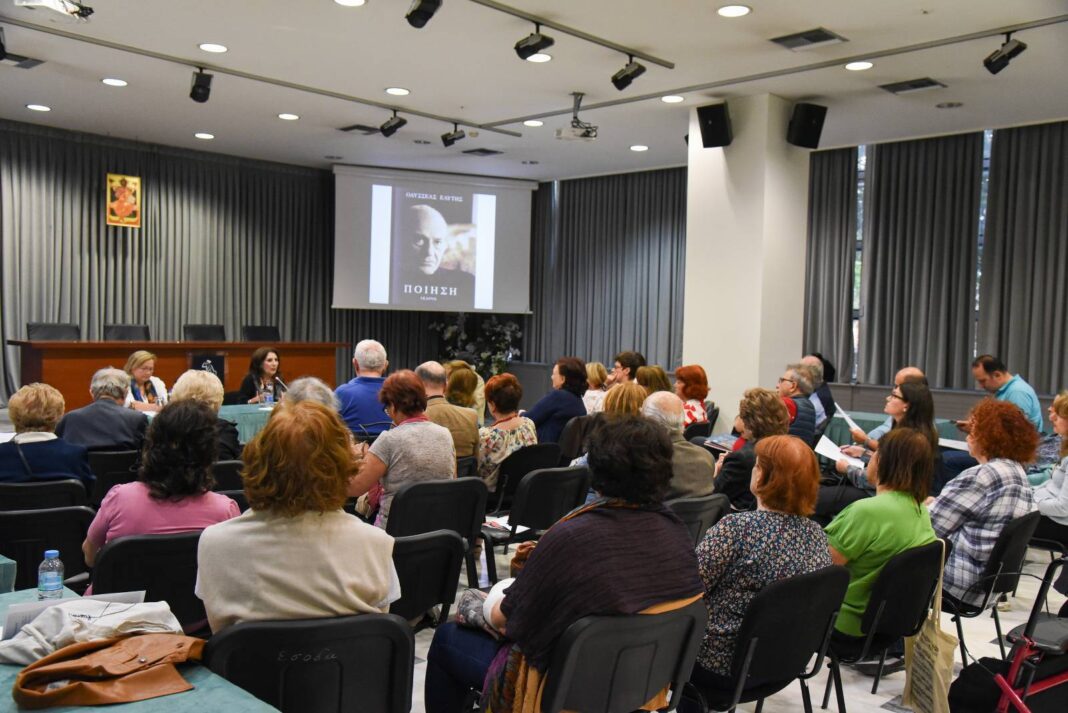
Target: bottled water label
x=50 y=582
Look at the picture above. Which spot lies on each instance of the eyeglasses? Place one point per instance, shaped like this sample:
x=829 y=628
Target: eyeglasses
x=789 y=381
x=617 y=367
x=892 y=395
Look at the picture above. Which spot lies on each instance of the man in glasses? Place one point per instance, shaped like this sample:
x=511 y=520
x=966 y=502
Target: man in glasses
x=795 y=385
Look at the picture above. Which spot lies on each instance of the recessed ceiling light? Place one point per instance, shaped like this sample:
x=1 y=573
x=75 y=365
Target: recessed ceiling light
x=213 y=47
x=350 y=3
x=539 y=57
x=639 y=147
x=38 y=107
x=113 y=82
x=332 y=158
x=672 y=99
x=397 y=91
x=950 y=105
x=288 y=117
x=533 y=123
x=734 y=10
x=530 y=163
x=204 y=136
x=859 y=66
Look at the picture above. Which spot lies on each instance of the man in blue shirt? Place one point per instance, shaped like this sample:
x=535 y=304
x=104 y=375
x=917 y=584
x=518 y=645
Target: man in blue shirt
x=992 y=375
x=360 y=407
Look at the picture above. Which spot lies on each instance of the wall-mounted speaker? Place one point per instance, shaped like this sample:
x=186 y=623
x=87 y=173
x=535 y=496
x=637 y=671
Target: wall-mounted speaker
x=715 y=123
x=806 y=125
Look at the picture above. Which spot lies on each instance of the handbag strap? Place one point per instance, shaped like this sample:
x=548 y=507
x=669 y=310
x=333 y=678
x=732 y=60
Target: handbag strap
x=935 y=614
x=22 y=457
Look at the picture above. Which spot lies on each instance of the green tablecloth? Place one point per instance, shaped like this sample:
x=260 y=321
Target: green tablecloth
x=249 y=418
x=7 y=575
x=210 y=692
x=838 y=429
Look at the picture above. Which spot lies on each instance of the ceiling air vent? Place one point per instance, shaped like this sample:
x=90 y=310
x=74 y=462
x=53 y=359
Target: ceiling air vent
x=363 y=128
x=481 y=152
x=15 y=60
x=913 y=85
x=809 y=39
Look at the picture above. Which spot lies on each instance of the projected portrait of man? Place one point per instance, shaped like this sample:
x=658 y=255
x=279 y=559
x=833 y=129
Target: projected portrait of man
x=428 y=239
x=427 y=274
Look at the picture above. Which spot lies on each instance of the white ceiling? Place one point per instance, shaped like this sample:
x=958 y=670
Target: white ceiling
x=462 y=65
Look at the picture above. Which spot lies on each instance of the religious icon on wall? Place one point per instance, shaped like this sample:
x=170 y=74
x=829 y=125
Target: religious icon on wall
x=124 y=201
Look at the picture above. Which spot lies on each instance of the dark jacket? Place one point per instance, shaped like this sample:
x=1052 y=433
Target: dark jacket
x=104 y=426
x=48 y=460
x=227 y=439
x=804 y=426
x=735 y=475
x=249 y=389
x=553 y=411
x=827 y=399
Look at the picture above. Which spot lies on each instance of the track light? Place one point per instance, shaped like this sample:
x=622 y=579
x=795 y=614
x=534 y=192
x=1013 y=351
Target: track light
x=392 y=125
x=421 y=11
x=533 y=43
x=999 y=59
x=201 y=89
x=451 y=137
x=628 y=74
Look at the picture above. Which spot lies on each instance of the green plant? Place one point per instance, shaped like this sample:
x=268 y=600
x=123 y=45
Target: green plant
x=490 y=344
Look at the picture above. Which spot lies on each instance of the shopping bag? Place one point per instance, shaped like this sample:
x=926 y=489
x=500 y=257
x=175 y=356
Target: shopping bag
x=929 y=661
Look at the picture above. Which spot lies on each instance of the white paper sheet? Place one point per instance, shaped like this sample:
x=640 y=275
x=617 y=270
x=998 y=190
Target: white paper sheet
x=501 y=523
x=839 y=411
x=952 y=444
x=828 y=449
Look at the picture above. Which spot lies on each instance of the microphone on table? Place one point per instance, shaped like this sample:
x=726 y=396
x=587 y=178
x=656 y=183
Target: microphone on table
x=282 y=384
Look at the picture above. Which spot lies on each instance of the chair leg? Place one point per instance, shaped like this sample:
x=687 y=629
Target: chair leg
x=491 y=562
x=830 y=682
x=838 y=692
x=472 y=570
x=760 y=706
x=997 y=628
x=878 y=672
x=960 y=638
x=806 y=699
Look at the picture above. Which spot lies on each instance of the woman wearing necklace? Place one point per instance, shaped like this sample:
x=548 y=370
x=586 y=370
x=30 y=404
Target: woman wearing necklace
x=146 y=392
x=263 y=377
x=509 y=431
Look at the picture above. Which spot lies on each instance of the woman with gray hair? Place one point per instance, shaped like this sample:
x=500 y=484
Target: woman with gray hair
x=309 y=388
x=205 y=387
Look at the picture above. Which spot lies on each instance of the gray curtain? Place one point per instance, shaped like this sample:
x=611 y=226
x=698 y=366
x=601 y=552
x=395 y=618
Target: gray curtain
x=607 y=268
x=830 y=253
x=1023 y=300
x=921 y=224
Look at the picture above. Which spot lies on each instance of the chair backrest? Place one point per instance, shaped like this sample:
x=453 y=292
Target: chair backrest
x=786 y=623
x=26 y=534
x=203 y=332
x=573 y=437
x=111 y=468
x=713 y=415
x=165 y=566
x=467 y=467
x=902 y=593
x=53 y=332
x=614 y=664
x=700 y=513
x=126 y=333
x=521 y=462
x=546 y=495
x=40 y=495
x=701 y=429
x=457 y=505
x=233 y=398
x=227 y=474
x=238 y=496
x=428 y=567
x=1008 y=554
x=355 y=663
x=260 y=333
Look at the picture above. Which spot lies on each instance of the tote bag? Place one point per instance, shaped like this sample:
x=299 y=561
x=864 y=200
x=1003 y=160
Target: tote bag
x=929 y=661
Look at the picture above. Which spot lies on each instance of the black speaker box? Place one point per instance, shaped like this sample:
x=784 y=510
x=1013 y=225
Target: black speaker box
x=715 y=123
x=806 y=124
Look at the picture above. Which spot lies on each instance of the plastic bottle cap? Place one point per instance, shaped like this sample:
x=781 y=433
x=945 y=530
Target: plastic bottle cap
x=51 y=554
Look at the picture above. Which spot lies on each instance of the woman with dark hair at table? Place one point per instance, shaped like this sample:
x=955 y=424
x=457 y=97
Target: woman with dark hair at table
x=552 y=412
x=264 y=377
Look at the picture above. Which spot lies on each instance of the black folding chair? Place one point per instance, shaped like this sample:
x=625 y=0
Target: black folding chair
x=355 y=663
x=899 y=601
x=1000 y=576
x=518 y=464
x=700 y=513
x=126 y=333
x=543 y=497
x=260 y=333
x=165 y=566
x=26 y=534
x=42 y=494
x=227 y=474
x=238 y=496
x=467 y=467
x=457 y=505
x=787 y=623
x=701 y=429
x=53 y=332
x=203 y=332
x=111 y=468
x=428 y=567
x=573 y=438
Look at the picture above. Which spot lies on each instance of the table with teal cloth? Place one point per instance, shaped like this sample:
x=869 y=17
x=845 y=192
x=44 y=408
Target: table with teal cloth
x=249 y=418
x=210 y=692
x=838 y=429
x=7 y=575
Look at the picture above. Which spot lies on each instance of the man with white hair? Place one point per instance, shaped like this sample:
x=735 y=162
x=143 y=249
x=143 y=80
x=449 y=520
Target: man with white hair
x=693 y=469
x=360 y=407
x=105 y=425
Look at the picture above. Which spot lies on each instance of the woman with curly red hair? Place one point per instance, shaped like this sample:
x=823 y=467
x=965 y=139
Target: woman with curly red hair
x=973 y=508
x=691 y=385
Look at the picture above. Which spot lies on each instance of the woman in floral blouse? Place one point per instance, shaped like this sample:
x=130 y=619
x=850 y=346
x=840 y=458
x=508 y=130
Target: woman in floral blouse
x=509 y=431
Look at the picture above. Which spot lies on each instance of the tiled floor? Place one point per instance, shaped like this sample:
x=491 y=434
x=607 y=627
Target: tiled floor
x=979 y=636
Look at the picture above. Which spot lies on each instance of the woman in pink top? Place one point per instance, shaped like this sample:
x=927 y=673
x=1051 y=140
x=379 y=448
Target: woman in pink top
x=173 y=493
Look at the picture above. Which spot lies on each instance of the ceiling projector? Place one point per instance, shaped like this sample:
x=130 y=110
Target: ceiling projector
x=579 y=130
x=65 y=7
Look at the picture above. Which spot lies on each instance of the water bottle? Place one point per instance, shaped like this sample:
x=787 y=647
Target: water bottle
x=268 y=399
x=50 y=576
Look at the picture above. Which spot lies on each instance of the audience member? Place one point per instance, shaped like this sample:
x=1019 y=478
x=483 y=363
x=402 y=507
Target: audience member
x=460 y=388
x=596 y=378
x=653 y=378
x=310 y=388
x=693 y=469
x=871 y=440
x=974 y=507
x=105 y=425
x=460 y=421
x=173 y=489
x=813 y=369
x=295 y=554
x=35 y=453
x=1052 y=496
x=624 y=399
x=264 y=377
x=480 y=388
x=794 y=384
x=829 y=372
x=623 y=553
x=360 y=407
x=993 y=376
x=691 y=385
x=625 y=368
x=509 y=431
x=745 y=552
x=205 y=387
x=762 y=414
x=145 y=392
x=552 y=412
x=415 y=449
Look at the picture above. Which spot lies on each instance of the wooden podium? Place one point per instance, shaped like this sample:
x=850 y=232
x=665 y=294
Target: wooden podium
x=69 y=366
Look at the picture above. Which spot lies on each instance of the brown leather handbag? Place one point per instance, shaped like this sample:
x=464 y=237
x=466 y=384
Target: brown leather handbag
x=519 y=560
